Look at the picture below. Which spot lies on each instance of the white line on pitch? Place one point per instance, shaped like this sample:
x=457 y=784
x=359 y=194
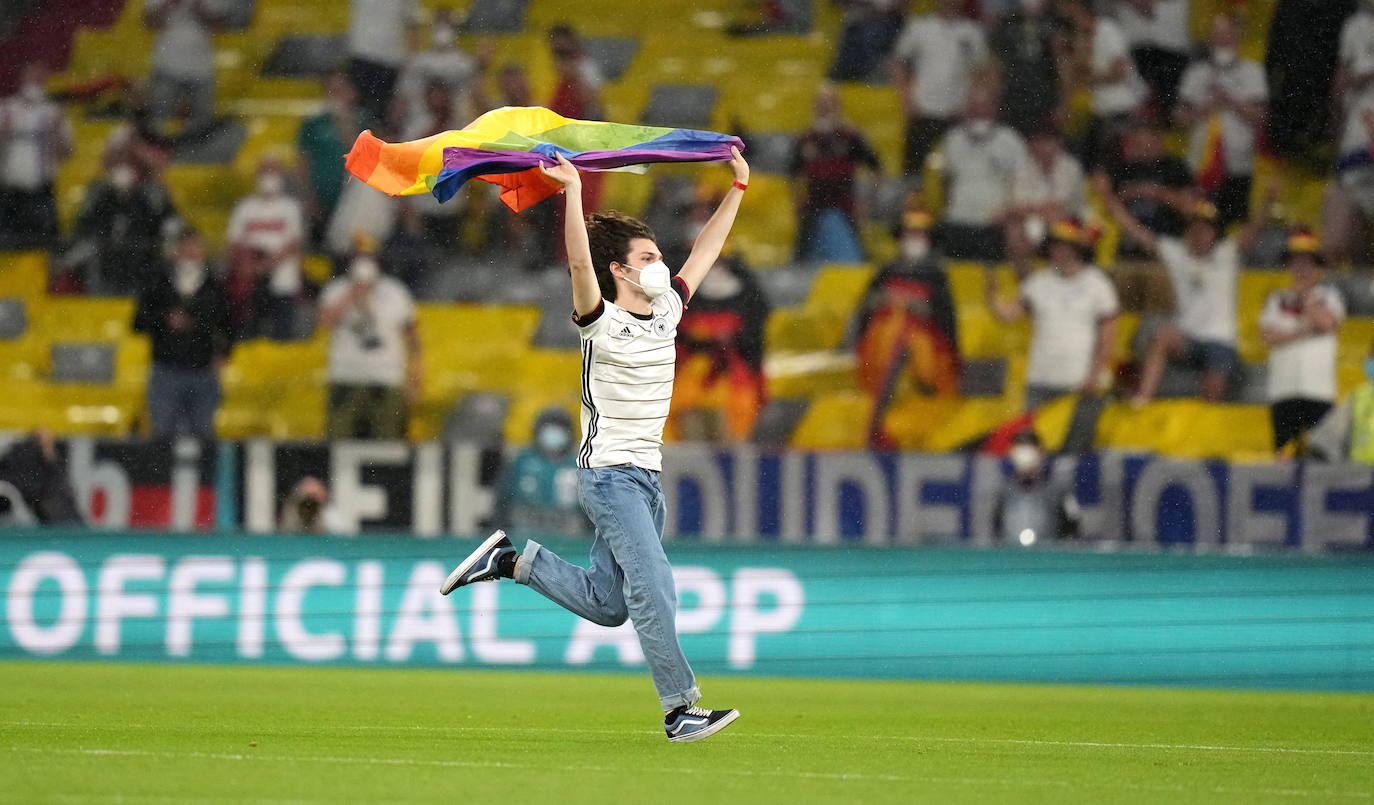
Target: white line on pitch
x=471 y=764
x=1293 y=750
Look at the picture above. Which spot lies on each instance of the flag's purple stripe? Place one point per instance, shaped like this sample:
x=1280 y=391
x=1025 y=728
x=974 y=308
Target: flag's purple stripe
x=462 y=164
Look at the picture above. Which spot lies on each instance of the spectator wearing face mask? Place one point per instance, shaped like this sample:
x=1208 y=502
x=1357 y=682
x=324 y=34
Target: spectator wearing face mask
x=266 y=231
x=1049 y=187
x=539 y=486
x=828 y=161
x=1157 y=31
x=377 y=48
x=445 y=63
x=1222 y=103
x=34 y=139
x=720 y=386
x=937 y=58
x=117 y=239
x=184 y=59
x=1300 y=326
x=308 y=510
x=1073 y=310
x=1031 y=506
x=1102 y=62
x=904 y=335
x=1203 y=268
x=981 y=159
x=374 y=353
x=187 y=323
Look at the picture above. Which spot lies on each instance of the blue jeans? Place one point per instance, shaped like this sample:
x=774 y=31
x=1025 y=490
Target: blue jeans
x=629 y=574
x=182 y=402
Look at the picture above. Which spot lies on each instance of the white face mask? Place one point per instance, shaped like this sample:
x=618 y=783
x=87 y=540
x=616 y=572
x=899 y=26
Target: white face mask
x=271 y=184
x=187 y=276
x=33 y=92
x=1025 y=458
x=363 y=269
x=122 y=177
x=443 y=37
x=980 y=128
x=915 y=248
x=654 y=279
x=1224 y=57
x=553 y=439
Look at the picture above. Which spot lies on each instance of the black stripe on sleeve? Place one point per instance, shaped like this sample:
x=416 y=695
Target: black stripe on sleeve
x=680 y=285
x=590 y=318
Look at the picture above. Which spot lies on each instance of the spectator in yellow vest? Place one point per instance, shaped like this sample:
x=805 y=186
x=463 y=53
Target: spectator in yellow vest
x=1347 y=433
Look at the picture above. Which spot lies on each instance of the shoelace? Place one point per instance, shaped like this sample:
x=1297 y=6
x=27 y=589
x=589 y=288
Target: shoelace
x=697 y=711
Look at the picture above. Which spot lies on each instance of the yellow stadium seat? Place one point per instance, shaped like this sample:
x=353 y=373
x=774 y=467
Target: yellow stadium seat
x=836 y=421
x=23 y=274
x=1188 y=429
x=85 y=318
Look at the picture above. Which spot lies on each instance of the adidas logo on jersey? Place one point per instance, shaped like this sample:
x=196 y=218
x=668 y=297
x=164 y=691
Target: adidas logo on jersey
x=625 y=331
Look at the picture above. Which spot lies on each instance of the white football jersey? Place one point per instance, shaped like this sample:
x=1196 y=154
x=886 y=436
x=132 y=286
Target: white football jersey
x=628 y=363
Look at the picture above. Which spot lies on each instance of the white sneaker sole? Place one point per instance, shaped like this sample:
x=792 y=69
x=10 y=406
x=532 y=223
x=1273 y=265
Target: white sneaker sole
x=703 y=734
x=451 y=583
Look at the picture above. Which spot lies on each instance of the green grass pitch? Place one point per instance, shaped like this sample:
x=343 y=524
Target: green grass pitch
x=139 y=733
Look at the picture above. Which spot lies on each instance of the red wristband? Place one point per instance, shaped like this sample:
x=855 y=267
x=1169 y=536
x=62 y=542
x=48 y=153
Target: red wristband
x=741 y=185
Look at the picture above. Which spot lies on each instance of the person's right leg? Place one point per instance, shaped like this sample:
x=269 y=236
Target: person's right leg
x=1165 y=342
x=162 y=402
x=622 y=501
x=202 y=400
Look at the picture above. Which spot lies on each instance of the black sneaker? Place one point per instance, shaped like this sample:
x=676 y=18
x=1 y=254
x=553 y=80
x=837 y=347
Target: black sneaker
x=689 y=723
x=491 y=561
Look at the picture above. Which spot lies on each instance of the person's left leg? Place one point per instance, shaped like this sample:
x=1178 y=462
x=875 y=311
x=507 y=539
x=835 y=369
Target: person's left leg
x=388 y=412
x=1219 y=363
x=202 y=400
x=626 y=504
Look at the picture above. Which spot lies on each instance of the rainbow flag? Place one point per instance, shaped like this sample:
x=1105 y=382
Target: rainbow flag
x=506 y=147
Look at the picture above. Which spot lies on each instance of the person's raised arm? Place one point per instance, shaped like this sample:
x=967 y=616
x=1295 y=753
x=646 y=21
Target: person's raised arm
x=586 y=291
x=1004 y=310
x=1128 y=223
x=706 y=249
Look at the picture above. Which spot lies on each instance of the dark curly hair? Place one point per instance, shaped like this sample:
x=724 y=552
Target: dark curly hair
x=609 y=234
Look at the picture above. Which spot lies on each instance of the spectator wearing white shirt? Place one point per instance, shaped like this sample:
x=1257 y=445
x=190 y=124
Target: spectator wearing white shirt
x=1203 y=269
x=374 y=353
x=184 y=59
x=1300 y=325
x=1073 y=310
x=34 y=138
x=1104 y=65
x=1350 y=199
x=1049 y=187
x=1222 y=101
x=1157 y=31
x=981 y=159
x=445 y=63
x=378 y=31
x=266 y=230
x=937 y=57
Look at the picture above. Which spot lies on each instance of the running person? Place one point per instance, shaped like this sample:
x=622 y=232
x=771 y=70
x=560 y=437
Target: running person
x=627 y=309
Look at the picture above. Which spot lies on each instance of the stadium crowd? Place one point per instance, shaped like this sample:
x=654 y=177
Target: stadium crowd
x=997 y=167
